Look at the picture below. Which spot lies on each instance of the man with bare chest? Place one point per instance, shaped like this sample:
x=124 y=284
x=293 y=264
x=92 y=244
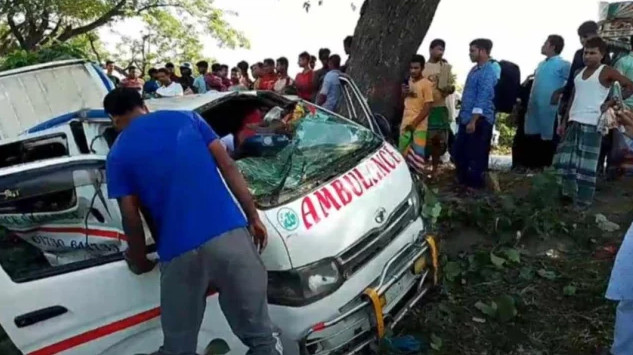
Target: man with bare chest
x=576 y=159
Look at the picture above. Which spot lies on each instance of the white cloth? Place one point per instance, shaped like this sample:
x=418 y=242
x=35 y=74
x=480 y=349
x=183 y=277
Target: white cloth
x=589 y=97
x=621 y=282
x=228 y=142
x=623 y=332
x=174 y=89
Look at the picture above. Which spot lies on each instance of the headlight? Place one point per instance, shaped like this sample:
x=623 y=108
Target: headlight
x=304 y=285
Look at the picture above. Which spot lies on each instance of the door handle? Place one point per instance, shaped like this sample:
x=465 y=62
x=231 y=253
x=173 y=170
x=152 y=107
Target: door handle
x=40 y=315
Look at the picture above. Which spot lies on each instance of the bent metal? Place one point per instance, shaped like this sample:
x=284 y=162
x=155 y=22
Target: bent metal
x=317 y=206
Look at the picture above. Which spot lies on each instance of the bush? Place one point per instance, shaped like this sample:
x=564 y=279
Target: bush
x=59 y=51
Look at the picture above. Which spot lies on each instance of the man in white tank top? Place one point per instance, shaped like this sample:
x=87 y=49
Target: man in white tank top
x=577 y=156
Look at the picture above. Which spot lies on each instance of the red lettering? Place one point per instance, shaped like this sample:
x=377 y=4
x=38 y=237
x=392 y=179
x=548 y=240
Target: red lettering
x=357 y=188
x=375 y=174
x=327 y=201
x=360 y=176
x=396 y=157
x=308 y=210
x=387 y=161
x=342 y=193
x=382 y=168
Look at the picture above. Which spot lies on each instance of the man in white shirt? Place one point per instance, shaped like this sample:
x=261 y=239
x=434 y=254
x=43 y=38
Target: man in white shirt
x=167 y=88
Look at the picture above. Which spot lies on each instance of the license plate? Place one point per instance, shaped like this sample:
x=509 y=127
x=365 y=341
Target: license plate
x=397 y=291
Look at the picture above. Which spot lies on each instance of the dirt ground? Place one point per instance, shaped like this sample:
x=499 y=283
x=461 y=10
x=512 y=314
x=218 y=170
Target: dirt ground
x=523 y=274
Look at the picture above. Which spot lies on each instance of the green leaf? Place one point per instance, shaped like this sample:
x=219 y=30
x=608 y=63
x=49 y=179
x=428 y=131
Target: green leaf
x=217 y=347
x=436 y=342
x=513 y=255
x=526 y=273
x=489 y=310
x=452 y=270
x=569 y=290
x=497 y=261
x=506 y=308
x=546 y=274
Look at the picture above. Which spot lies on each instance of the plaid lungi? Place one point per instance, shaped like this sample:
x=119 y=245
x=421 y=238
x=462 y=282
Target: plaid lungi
x=576 y=162
x=413 y=145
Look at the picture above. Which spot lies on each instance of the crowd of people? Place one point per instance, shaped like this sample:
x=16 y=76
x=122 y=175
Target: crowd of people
x=571 y=116
x=310 y=83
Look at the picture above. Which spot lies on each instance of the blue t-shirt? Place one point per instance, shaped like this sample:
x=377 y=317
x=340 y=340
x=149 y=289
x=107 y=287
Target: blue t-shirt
x=331 y=89
x=163 y=159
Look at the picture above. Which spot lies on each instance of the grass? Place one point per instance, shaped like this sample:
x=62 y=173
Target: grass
x=521 y=273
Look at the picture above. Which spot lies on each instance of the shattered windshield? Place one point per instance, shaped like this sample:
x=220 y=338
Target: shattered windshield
x=323 y=146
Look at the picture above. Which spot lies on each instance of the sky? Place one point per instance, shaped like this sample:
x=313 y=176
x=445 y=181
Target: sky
x=517 y=28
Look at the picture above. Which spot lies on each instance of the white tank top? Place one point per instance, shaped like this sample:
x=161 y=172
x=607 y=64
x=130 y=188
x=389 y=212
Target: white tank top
x=590 y=95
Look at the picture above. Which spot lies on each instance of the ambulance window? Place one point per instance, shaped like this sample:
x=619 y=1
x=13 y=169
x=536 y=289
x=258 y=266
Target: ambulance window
x=56 y=219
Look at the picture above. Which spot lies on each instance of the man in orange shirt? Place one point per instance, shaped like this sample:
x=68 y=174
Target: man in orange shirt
x=418 y=99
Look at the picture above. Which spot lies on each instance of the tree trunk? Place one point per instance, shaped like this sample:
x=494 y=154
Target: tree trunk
x=387 y=35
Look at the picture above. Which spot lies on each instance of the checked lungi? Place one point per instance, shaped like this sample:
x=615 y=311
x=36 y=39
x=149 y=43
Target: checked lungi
x=576 y=162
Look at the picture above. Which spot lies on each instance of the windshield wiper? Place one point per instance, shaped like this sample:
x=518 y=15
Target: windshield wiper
x=287 y=169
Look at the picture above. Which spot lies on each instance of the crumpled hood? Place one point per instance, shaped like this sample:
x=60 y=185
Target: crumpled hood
x=334 y=216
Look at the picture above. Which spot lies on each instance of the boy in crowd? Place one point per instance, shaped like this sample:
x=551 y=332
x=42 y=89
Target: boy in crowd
x=418 y=100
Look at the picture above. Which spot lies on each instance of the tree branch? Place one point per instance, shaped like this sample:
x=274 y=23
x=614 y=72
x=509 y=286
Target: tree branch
x=16 y=31
x=70 y=32
x=155 y=6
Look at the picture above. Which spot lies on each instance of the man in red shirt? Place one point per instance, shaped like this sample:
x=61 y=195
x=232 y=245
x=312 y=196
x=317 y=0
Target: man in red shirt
x=304 y=81
x=267 y=79
x=132 y=80
x=214 y=80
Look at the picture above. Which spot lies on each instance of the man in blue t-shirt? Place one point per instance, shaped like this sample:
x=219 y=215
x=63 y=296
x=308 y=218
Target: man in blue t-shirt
x=165 y=165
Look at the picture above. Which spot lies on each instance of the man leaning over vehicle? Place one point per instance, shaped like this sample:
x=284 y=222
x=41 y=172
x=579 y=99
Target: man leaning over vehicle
x=164 y=164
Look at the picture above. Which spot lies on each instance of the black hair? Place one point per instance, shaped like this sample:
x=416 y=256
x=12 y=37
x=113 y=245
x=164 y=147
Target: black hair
x=336 y=60
x=235 y=69
x=259 y=64
x=243 y=65
x=164 y=71
x=588 y=28
x=324 y=52
x=170 y=65
x=418 y=58
x=483 y=43
x=216 y=67
x=597 y=42
x=108 y=62
x=121 y=101
x=437 y=42
x=224 y=66
x=131 y=67
x=283 y=61
x=269 y=61
x=305 y=55
x=203 y=63
x=313 y=58
x=152 y=71
x=558 y=42
x=348 y=41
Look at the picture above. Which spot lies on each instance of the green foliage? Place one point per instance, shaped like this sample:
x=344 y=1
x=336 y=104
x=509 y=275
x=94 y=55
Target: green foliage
x=173 y=27
x=431 y=206
x=536 y=212
x=20 y=58
x=507 y=130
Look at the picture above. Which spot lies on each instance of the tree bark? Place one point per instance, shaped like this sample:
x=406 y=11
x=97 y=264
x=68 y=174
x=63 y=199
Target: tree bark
x=387 y=35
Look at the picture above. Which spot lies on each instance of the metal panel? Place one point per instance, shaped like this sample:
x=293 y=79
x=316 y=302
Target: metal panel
x=29 y=97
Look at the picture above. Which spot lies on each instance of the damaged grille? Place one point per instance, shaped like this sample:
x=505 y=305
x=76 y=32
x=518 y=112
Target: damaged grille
x=356 y=256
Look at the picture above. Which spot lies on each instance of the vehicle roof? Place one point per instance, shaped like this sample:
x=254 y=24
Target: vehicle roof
x=18 y=168
x=187 y=102
x=41 y=66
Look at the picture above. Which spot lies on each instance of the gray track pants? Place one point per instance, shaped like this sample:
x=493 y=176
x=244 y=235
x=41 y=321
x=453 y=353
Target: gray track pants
x=231 y=264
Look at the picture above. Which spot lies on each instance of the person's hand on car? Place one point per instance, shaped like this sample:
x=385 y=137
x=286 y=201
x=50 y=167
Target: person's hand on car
x=139 y=265
x=259 y=233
